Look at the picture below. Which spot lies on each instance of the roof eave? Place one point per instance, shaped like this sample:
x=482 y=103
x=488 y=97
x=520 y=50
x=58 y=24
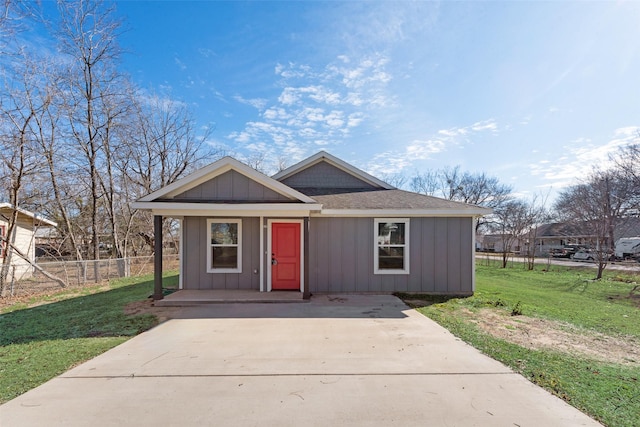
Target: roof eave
x=472 y=213
x=173 y=209
x=36 y=218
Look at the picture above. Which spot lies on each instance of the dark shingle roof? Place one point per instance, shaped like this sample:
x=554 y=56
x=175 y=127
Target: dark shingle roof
x=393 y=199
x=625 y=227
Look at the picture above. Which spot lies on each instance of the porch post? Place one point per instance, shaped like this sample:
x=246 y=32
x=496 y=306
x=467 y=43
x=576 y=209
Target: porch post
x=306 y=294
x=157 y=258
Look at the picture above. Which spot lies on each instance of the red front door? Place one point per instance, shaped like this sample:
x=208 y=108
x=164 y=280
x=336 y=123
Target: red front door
x=285 y=256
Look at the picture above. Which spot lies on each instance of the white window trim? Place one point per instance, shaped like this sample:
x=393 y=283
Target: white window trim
x=376 y=269
x=210 y=268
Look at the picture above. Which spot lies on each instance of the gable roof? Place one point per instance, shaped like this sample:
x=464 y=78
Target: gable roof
x=367 y=196
x=216 y=169
x=36 y=218
x=625 y=227
x=323 y=156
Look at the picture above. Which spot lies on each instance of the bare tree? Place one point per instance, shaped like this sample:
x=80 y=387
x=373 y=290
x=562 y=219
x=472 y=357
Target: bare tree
x=55 y=191
x=14 y=15
x=397 y=180
x=258 y=161
x=627 y=164
x=21 y=105
x=163 y=143
x=425 y=183
x=474 y=188
x=282 y=163
x=88 y=36
x=160 y=145
x=596 y=206
x=514 y=221
x=537 y=215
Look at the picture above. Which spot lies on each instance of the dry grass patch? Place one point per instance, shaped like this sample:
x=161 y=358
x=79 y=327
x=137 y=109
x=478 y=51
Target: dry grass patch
x=537 y=334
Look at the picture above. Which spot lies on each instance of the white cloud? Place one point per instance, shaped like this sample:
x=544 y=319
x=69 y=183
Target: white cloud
x=319 y=106
x=355 y=119
x=485 y=125
x=276 y=114
x=582 y=156
x=180 y=64
x=453 y=132
x=426 y=148
x=257 y=103
x=525 y=120
x=206 y=53
x=387 y=162
x=421 y=150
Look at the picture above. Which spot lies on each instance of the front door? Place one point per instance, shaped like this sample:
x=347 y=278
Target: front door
x=285 y=256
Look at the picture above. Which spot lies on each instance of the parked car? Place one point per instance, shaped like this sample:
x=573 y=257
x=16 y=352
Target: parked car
x=565 y=252
x=593 y=255
x=583 y=255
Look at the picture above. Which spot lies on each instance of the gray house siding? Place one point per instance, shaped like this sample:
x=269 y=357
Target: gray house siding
x=341 y=257
x=194 y=269
x=324 y=175
x=231 y=186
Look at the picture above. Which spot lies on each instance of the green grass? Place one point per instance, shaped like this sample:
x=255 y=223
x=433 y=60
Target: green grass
x=608 y=392
x=569 y=296
x=40 y=342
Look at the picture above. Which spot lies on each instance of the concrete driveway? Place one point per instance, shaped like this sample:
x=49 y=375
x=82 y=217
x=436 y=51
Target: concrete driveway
x=335 y=361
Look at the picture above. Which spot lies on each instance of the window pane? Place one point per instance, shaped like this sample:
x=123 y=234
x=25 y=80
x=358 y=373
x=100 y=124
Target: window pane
x=224 y=233
x=390 y=258
x=391 y=233
x=224 y=257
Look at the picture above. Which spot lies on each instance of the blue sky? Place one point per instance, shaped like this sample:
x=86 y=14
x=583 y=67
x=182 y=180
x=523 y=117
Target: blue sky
x=534 y=93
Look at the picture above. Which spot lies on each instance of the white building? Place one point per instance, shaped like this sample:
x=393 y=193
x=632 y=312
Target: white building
x=23 y=239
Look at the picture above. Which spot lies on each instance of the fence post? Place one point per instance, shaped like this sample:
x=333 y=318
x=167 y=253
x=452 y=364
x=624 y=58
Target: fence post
x=13 y=277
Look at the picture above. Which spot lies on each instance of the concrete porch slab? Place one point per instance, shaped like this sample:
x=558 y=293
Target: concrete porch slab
x=185 y=298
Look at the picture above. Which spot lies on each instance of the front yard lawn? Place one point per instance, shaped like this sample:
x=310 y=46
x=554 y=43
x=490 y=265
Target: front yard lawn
x=47 y=335
x=577 y=338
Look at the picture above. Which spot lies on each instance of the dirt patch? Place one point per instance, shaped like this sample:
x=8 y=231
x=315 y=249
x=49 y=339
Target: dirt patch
x=534 y=333
x=147 y=307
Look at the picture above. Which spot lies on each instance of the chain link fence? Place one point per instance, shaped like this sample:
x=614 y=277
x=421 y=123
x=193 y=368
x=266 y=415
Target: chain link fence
x=83 y=273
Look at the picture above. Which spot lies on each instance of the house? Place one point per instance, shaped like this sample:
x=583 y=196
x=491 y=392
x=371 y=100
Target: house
x=496 y=243
x=320 y=226
x=559 y=234
x=23 y=239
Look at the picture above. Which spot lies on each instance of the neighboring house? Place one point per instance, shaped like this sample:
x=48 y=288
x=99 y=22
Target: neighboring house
x=627 y=227
x=319 y=226
x=495 y=243
x=558 y=235
x=23 y=239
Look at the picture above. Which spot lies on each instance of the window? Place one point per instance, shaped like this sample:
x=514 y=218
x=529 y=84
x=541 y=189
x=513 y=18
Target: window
x=392 y=246
x=224 y=251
